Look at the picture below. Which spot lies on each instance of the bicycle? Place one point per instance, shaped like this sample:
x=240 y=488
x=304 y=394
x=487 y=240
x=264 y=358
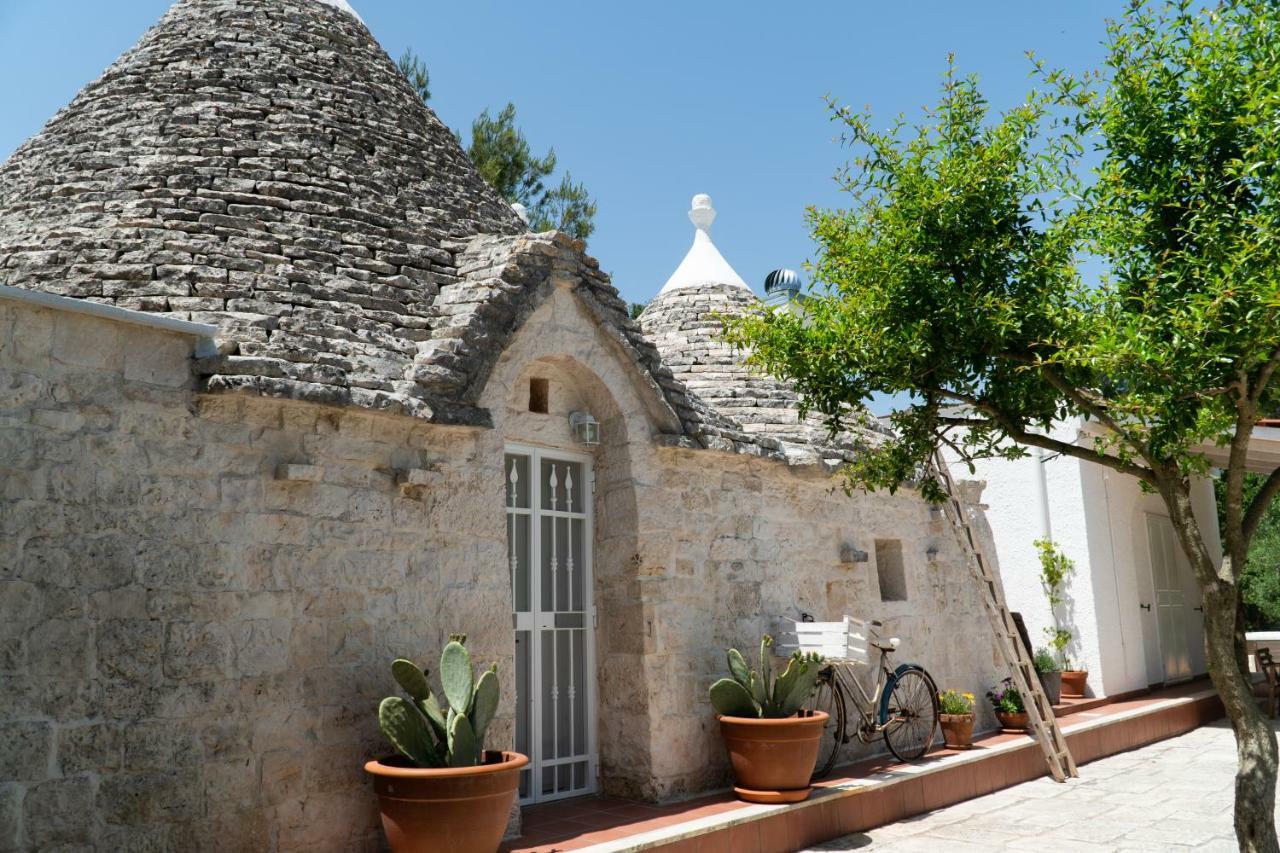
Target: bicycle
x=903 y=707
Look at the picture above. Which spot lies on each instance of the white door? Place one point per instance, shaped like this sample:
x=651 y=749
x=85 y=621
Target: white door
x=548 y=502
x=1170 y=598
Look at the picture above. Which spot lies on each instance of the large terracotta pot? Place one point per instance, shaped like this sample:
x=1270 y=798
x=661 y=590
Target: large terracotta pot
x=773 y=759
x=447 y=809
x=1073 y=682
x=1013 y=722
x=957 y=730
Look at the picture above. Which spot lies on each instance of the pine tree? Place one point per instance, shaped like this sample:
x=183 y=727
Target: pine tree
x=415 y=71
x=501 y=152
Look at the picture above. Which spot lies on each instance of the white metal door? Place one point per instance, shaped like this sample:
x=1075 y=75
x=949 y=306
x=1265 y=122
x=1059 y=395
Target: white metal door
x=549 y=529
x=1171 y=604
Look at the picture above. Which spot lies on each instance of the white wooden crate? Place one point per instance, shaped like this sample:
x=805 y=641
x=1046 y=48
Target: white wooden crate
x=845 y=640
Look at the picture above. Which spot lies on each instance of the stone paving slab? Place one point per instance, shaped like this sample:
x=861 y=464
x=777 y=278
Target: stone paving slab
x=1171 y=795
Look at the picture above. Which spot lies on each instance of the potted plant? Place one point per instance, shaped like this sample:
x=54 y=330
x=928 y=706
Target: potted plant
x=955 y=713
x=1073 y=680
x=772 y=742
x=1055 y=568
x=443 y=791
x=1010 y=710
x=1050 y=675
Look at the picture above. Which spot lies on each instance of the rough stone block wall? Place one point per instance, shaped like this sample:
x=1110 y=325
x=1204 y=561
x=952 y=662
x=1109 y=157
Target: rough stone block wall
x=191 y=650
x=697 y=551
x=731 y=544
x=200 y=594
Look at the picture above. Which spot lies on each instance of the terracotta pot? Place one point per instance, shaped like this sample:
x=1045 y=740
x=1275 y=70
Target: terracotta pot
x=1073 y=682
x=773 y=759
x=1052 y=684
x=957 y=730
x=454 y=809
x=1012 y=722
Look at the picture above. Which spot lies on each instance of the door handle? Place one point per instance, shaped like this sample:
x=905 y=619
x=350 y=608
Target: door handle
x=1146 y=607
x=1200 y=608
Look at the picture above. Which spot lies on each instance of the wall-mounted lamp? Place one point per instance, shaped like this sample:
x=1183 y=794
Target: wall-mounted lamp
x=851 y=554
x=586 y=429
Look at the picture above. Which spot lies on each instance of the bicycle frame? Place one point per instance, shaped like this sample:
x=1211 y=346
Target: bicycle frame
x=867 y=705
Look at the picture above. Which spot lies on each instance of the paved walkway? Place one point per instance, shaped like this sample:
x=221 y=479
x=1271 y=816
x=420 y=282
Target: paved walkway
x=1171 y=795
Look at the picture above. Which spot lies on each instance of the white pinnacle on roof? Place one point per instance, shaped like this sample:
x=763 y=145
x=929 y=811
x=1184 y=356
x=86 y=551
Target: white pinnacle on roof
x=703 y=264
x=344 y=6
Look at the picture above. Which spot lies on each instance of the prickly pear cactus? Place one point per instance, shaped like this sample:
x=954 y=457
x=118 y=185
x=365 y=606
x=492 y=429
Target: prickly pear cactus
x=432 y=735
x=748 y=693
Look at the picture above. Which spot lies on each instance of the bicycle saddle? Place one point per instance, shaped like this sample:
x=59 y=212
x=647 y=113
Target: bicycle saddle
x=887 y=645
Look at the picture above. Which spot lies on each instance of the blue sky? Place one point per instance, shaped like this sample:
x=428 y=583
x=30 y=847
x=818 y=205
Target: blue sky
x=646 y=103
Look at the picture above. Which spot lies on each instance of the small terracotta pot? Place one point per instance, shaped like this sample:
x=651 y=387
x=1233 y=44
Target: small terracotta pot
x=454 y=809
x=1013 y=722
x=957 y=730
x=773 y=759
x=1073 y=682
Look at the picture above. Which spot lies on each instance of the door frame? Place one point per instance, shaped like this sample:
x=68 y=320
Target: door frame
x=536 y=453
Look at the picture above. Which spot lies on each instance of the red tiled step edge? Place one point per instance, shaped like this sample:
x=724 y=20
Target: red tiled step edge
x=868 y=794
x=1067 y=707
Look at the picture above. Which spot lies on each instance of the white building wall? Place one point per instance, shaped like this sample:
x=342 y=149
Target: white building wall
x=1018 y=515
x=1099 y=519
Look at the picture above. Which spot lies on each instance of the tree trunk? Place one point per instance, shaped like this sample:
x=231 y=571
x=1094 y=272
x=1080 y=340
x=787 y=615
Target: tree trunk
x=1256 y=753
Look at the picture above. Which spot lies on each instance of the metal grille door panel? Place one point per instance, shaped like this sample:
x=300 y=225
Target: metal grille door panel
x=548 y=505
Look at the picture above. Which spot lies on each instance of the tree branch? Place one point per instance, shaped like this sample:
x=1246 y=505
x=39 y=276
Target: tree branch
x=1078 y=397
x=1264 y=376
x=1056 y=445
x=1235 y=543
x=1093 y=407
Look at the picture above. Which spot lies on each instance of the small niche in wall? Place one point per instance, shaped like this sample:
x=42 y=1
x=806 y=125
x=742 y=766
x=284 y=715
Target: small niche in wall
x=539 y=395
x=889 y=570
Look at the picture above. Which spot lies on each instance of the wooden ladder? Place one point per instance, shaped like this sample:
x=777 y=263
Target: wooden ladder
x=1040 y=713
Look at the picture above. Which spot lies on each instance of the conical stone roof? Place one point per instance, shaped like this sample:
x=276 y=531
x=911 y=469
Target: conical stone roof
x=685 y=322
x=263 y=165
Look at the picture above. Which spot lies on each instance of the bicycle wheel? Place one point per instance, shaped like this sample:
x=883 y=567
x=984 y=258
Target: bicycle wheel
x=829 y=698
x=913 y=715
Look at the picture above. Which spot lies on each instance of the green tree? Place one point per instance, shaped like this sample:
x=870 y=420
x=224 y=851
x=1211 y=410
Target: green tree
x=1260 y=580
x=501 y=152
x=567 y=207
x=503 y=155
x=953 y=277
x=415 y=71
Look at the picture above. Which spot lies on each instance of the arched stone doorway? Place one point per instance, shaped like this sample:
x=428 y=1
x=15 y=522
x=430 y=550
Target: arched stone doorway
x=557 y=364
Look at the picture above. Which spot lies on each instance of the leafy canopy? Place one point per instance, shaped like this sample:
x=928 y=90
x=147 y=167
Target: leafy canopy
x=948 y=278
x=953 y=275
